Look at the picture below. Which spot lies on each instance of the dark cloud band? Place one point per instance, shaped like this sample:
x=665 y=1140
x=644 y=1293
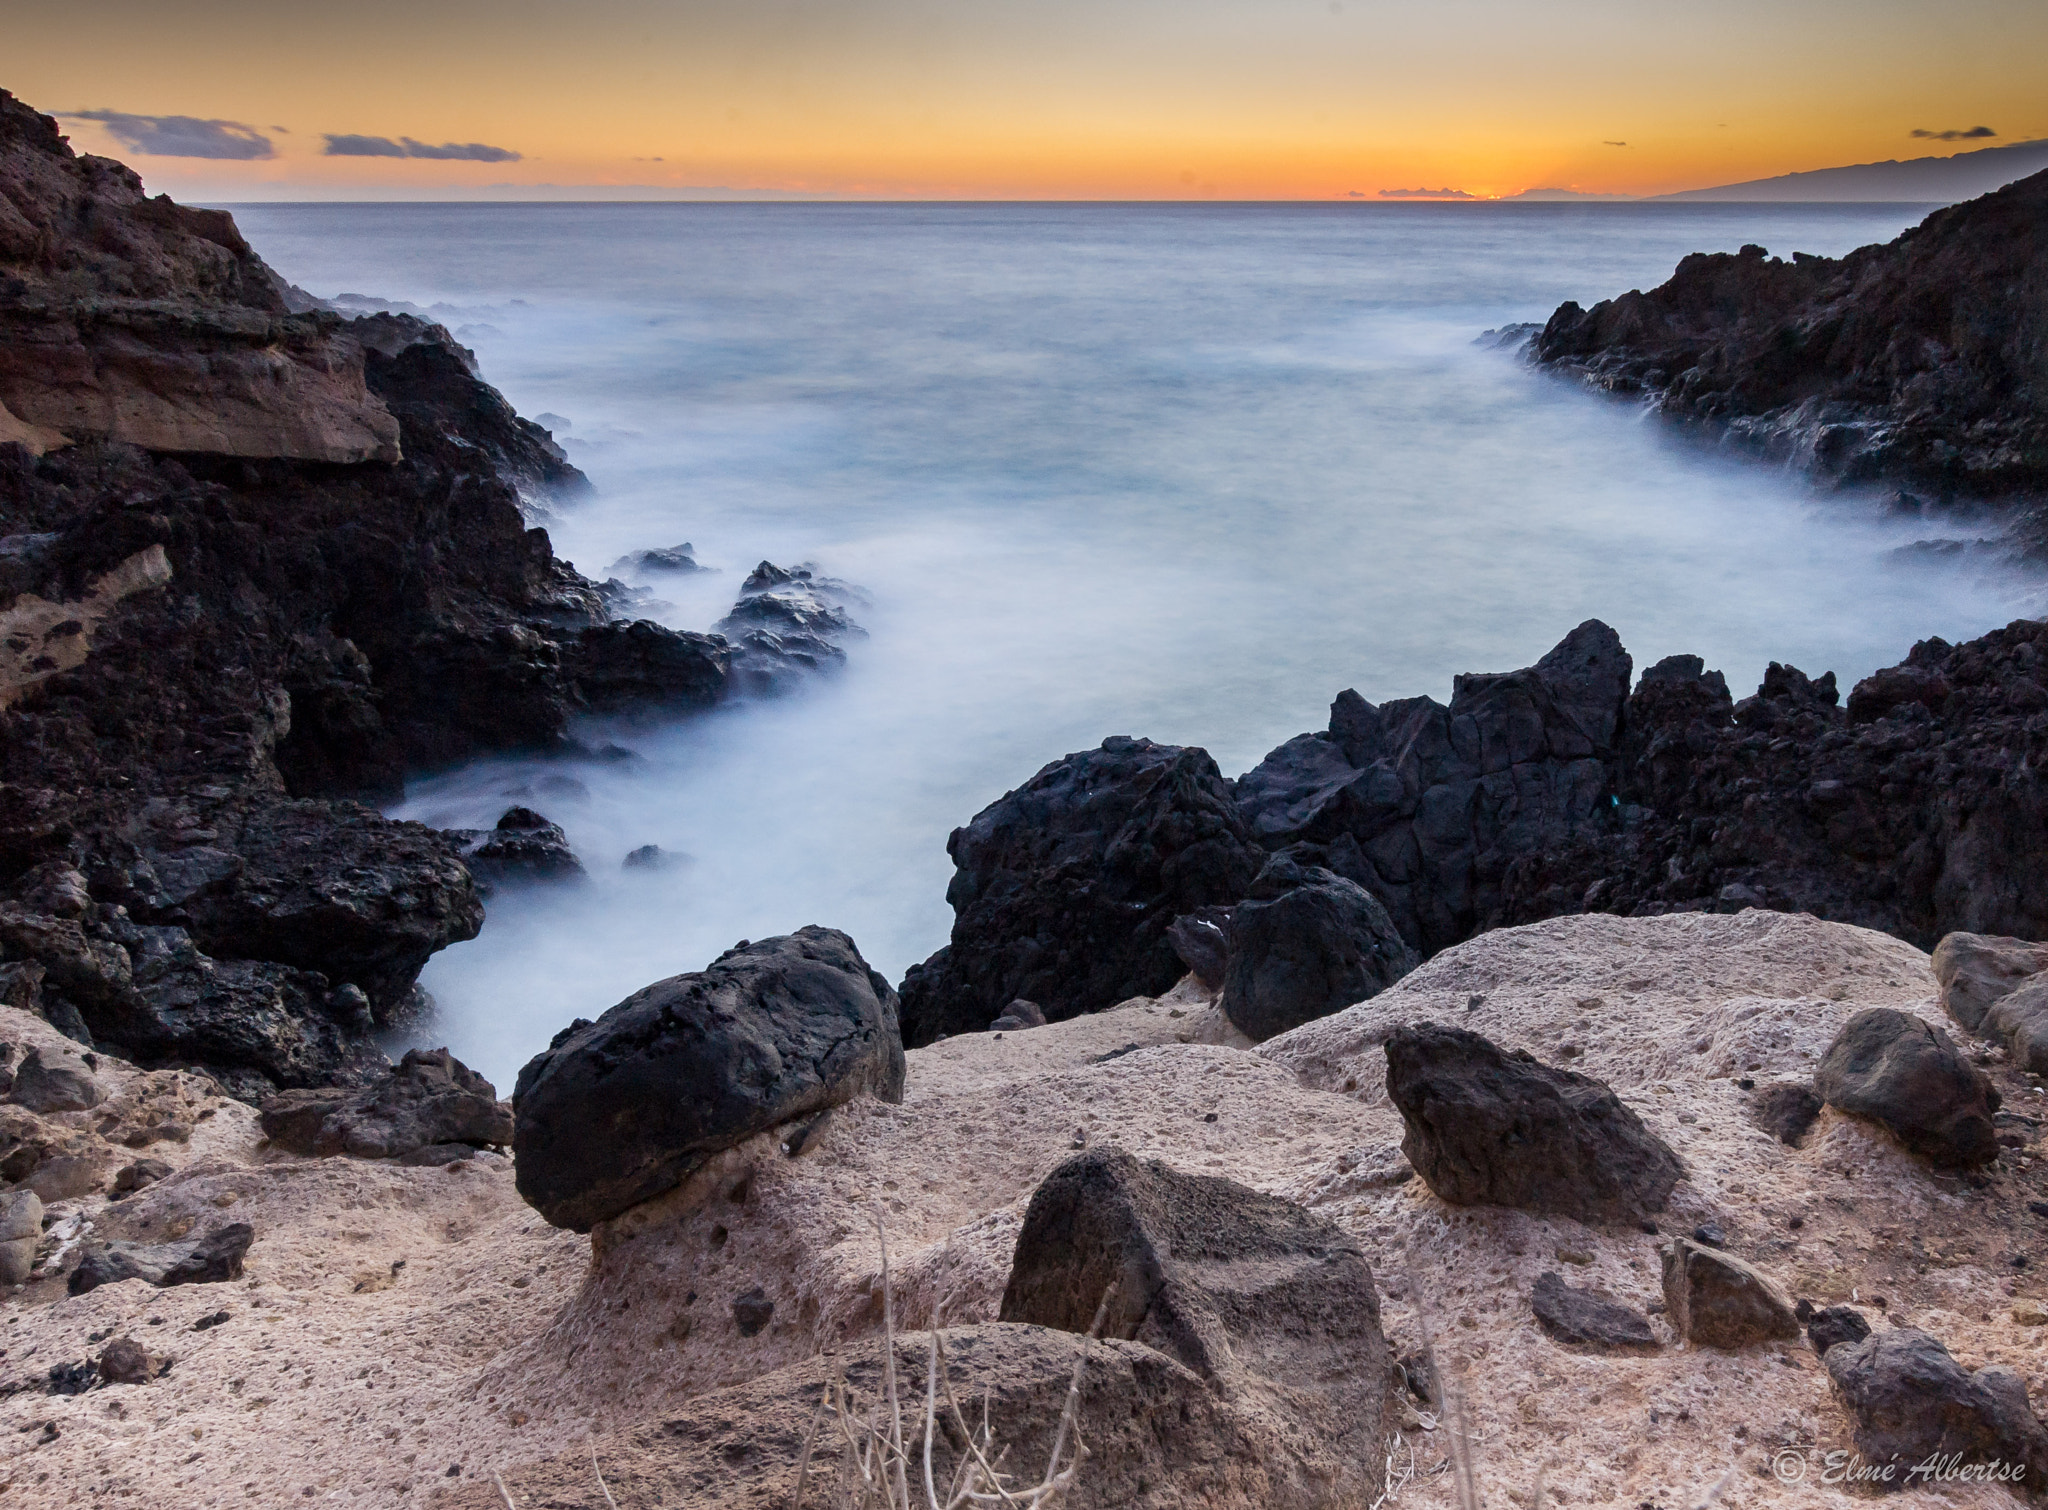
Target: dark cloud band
x=348 y=145
x=180 y=135
x=1975 y=133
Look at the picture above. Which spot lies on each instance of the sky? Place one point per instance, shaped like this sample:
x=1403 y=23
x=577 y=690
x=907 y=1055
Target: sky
x=1118 y=99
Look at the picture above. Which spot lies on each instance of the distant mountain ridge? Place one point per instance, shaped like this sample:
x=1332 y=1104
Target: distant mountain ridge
x=1920 y=180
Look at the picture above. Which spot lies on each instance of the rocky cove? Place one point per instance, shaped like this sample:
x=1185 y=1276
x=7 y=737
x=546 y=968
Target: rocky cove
x=1549 y=1085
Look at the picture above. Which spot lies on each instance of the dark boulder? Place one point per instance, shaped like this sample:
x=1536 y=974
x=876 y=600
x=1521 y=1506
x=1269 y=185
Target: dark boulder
x=1017 y=1016
x=1307 y=943
x=1716 y=1299
x=642 y=666
x=429 y=1098
x=1830 y=1326
x=1253 y=1293
x=1907 y=1076
x=1587 y=1318
x=1487 y=1126
x=1432 y=805
x=1912 y=1403
x=523 y=847
x=680 y=559
x=618 y=1111
x=196 y=1261
x=1064 y=890
x=1995 y=987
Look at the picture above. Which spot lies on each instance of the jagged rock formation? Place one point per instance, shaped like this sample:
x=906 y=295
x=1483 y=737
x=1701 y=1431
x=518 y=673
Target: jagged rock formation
x=1921 y=363
x=1065 y=889
x=255 y=564
x=1917 y=809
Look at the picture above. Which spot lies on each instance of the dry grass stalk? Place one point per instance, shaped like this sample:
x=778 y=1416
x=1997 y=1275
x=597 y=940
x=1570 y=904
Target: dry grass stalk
x=875 y=1462
x=1463 y=1474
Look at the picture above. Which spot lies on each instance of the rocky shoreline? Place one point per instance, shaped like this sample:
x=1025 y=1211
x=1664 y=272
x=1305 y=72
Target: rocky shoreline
x=1914 y=366
x=1544 y=1092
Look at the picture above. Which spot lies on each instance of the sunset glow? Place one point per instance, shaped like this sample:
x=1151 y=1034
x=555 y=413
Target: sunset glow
x=1309 y=99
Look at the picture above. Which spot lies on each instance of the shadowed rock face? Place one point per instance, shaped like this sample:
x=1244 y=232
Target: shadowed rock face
x=1064 y=890
x=618 y=1111
x=1306 y=944
x=1490 y=1127
x=1921 y=362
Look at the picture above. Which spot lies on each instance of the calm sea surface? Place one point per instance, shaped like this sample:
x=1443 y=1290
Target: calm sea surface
x=1180 y=471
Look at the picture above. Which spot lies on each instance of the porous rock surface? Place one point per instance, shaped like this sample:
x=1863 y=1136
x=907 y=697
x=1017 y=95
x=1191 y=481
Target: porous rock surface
x=502 y=1344
x=1914 y=1405
x=1503 y=1129
x=1916 y=362
x=621 y=1110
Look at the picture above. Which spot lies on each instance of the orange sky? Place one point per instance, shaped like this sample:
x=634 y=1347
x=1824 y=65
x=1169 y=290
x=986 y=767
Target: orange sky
x=1057 y=98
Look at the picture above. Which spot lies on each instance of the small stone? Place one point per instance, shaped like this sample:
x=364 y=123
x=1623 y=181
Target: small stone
x=1711 y=1234
x=1717 y=1299
x=142 y=1172
x=1836 y=1324
x=1211 y=1117
x=752 y=1311
x=2030 y=1313
x=1588 y=1318
x=207 y=1323
x=1785 y=1111
x=126 y=1361
x=2039 y=1208
x=646 y=857
x=1578 y=1256
x=1019 y=1015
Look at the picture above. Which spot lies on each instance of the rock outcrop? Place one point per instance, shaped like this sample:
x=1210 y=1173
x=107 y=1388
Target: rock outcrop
x=618 y=1111
x=1908 y=1076
x=1064 y=890
x=211 y=1259
x=1428 y=807
x=1916 y=363
x=523 y=846
x=1305 y=944
x=1267 y=1303
x=430 y=1099
x=255 y=565
x=1489 y=1127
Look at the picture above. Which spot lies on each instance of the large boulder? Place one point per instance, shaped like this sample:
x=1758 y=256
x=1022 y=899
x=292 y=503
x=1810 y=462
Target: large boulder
x=620 y=1110
x=429 y=1099
x=1427 y=807
x=1158 y=1435
x=1252 y=1293
x=1716 y=1299
x=1064 y=890
x=1907 y=1076
x=1913 y=1404
x=1486 y=1126
x=1306 y=944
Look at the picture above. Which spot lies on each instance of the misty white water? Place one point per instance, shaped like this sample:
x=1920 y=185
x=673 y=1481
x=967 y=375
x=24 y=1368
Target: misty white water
x=1180 y=471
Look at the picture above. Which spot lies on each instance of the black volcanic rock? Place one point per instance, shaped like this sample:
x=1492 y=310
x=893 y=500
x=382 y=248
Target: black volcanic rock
x=618 y=1111
x=1488 y=1126
x=523 y=846
x=1305 y=944
x=1917 y=362
x=1429 y=807
x=1912 y=1403
x=1064 y=890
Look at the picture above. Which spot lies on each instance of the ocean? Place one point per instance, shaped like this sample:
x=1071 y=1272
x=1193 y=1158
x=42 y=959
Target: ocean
x=1183 y=471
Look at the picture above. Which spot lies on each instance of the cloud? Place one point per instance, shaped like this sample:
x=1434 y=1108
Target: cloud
x=1975 y=133
x=347 y=145
x=1426 y=194
x=180 y=135
x=1614 y=144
